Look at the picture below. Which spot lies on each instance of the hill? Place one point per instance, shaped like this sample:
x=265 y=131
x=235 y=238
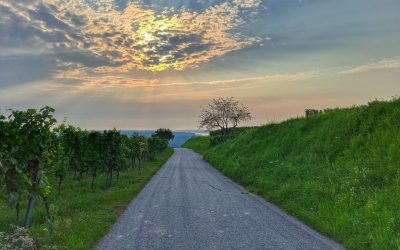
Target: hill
x=339 y=170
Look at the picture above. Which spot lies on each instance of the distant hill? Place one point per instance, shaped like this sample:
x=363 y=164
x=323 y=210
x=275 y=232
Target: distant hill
x=180 y=136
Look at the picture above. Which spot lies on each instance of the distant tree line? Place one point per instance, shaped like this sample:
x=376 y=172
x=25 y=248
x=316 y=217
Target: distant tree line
x=33 y=147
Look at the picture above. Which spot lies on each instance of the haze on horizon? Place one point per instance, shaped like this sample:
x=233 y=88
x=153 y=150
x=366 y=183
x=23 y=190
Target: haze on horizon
x=144 y=64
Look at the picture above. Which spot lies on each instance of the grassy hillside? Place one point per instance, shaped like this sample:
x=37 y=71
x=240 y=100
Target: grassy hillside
x=199 y=143
x=81 y=216
x=338 y=171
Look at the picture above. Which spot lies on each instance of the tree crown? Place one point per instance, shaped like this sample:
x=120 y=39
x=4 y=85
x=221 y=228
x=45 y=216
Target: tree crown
x=224 y=113
x=163 y=133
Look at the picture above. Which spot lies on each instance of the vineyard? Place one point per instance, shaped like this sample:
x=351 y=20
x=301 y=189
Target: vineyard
x=45 y=162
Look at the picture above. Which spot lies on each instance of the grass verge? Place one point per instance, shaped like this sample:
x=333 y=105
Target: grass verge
x=338 y=171
x=82 y=216
x=200 y=144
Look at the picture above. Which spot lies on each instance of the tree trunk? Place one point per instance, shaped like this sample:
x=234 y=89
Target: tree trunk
x=60 y=179
x=28 y=212
x=80 y=175
x=47 y=207
x=33 y=167
x=18 y=212
x=94 y=174
x=110 y=173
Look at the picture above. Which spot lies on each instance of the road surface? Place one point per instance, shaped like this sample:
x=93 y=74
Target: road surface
x=190 y=205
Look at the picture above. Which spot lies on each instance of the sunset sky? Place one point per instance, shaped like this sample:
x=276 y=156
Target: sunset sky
x=144 y=64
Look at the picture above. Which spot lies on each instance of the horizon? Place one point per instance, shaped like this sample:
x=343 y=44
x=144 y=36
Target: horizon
x=194 y=130
x=141 y=65
x=270 y=121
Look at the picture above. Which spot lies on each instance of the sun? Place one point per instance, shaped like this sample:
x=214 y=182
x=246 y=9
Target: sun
x=155 y=39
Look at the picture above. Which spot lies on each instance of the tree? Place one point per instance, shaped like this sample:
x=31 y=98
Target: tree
x=163 y=133
x=94 y=153
x=156 y=145
x=112 y=143
x=61 y=157
x=34 y=131
x=73 y=147
x=138 y=149
x=12 y=175
x=224 y=114
x=143 y=150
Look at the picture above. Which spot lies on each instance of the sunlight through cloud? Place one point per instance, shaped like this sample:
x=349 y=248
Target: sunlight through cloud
x=137 y=37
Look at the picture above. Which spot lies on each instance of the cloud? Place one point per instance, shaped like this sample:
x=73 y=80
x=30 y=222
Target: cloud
x=393 y=63
x=87 y=82
x=23 y=69
x=111 y=37
x=264 y=79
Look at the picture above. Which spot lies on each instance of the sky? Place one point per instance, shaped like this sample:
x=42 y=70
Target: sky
x=145 y=64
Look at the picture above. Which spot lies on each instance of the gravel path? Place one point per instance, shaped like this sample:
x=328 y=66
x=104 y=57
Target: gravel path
x=190 y=205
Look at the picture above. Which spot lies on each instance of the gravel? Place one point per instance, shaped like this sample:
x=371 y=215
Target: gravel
x=190 y=205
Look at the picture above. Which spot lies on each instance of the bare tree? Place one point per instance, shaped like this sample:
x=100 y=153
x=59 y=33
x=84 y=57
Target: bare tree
x=224 y=114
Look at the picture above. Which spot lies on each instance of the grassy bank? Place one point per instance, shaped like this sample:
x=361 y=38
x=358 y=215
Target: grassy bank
x=199 y=143
x=83 y=216
x=338 y=171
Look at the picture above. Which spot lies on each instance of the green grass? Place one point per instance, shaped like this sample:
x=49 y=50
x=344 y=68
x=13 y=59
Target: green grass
x=82 y=216
x=198 y=143
x=338 y=171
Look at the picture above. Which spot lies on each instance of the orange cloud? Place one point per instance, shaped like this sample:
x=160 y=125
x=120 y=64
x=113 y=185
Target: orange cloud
x=96 y=82
x=386 y=63
x=141 y=38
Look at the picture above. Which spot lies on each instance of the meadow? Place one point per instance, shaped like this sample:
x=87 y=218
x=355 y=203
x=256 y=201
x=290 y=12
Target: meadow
x=336 y=170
